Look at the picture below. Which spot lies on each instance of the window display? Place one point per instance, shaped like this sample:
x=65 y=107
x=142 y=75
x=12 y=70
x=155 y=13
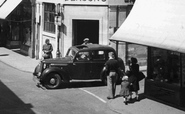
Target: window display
x=139 y=52
x=183 y=69
x=165 y=66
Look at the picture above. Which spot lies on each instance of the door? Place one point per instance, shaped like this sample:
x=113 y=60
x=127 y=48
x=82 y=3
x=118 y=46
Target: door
x=82 y=66
x=85 y=29
x=98 y=62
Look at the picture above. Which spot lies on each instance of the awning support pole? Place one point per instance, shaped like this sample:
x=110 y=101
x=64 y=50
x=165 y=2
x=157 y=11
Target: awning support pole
x=117 y=42
x=126 y=52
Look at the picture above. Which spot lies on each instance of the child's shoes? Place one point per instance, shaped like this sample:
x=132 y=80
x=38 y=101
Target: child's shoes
x=125 y=100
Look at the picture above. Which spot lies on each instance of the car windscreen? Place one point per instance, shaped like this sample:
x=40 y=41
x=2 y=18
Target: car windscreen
x=71 y=53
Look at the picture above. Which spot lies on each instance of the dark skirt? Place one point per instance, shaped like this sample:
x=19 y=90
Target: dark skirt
x=124 y=88
x=135 y=83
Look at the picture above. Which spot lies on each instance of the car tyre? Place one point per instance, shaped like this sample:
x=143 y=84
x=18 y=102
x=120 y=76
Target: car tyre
x=53 y=81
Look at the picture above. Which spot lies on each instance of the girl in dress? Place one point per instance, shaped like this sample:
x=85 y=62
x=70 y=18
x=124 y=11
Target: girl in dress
x=125 y=89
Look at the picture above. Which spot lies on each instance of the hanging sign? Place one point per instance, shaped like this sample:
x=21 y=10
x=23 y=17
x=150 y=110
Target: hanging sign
x=87 y=2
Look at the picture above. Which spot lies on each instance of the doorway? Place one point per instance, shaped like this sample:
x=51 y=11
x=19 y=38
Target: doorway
x=85 y=29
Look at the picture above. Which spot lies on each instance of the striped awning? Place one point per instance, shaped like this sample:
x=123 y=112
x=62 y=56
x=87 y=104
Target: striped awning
x=7 y=6
x=155 y=23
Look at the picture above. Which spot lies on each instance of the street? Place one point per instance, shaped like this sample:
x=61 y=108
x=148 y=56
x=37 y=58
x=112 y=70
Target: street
x=20 y=95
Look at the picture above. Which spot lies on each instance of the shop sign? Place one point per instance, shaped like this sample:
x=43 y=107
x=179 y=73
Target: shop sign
x=87 y=2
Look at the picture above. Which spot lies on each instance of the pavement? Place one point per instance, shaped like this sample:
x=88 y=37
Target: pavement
x=14 y=58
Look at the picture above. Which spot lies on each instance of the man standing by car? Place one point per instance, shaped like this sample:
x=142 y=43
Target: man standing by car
x=112 y=67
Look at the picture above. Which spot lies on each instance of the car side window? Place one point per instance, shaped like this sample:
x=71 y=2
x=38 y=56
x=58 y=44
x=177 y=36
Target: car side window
x=83 y=56
x=98 y=55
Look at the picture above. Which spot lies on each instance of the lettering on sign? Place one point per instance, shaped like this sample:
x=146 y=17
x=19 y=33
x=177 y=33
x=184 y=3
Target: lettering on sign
x=90 y=2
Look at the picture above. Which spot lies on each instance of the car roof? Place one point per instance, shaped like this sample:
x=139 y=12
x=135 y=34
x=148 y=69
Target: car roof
x=92 y=47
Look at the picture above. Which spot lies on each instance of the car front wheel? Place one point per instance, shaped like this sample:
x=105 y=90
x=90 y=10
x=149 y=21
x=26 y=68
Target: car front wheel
x=53 y=81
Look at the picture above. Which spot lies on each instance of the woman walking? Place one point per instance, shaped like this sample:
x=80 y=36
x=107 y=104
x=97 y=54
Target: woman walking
x=133 y=79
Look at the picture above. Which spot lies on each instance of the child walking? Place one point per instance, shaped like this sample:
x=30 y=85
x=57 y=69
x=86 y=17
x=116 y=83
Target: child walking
x=125 y=89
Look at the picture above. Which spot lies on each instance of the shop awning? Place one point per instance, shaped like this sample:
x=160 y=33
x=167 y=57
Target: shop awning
x=7 y=6
x=155 y=23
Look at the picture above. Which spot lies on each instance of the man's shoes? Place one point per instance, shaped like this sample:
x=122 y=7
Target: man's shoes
x=110 y=98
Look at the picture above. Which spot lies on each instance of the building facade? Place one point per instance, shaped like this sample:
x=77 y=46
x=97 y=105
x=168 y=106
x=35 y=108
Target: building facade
x=67 y=22
x=151 y=28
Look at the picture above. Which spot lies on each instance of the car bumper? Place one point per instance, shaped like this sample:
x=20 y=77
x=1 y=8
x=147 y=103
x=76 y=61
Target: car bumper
x=35 y=78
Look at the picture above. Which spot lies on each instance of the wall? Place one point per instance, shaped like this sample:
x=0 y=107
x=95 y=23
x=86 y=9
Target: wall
x=87 y=13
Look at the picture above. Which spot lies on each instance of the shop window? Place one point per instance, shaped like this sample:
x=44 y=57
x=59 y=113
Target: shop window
x=49 y=17
x=139 y=52
x=165 y=66
x=26 y=32
x=183 y=69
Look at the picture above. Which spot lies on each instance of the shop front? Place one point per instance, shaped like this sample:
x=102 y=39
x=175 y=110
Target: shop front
x=166 y=76
x=161 y=31
x=78 y=19
x=15 y=23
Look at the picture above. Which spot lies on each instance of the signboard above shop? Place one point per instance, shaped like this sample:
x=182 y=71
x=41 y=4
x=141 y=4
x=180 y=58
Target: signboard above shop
x=120 y=2
x=87 y=2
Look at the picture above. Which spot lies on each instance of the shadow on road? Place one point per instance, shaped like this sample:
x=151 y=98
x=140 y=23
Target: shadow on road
x=4 y=54
x=10 y=103
x=19 y=52
x=81 y=84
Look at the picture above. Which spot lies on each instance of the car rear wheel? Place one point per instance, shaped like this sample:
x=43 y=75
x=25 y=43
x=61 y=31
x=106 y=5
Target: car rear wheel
x=53 y=81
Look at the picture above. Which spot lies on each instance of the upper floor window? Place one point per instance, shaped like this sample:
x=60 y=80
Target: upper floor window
x=49 y=17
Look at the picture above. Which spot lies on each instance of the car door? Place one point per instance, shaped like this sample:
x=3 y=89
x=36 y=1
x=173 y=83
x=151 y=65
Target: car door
x=98 y=61
x=82 y=66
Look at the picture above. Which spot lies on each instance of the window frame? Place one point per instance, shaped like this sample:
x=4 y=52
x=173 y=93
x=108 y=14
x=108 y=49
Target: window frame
x=49 y=18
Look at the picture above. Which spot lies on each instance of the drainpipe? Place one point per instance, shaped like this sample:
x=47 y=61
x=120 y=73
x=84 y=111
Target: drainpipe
x=117 y=25
x=117 y=17
x=37 y=28
x=33 y=28
x=126 y=52
x=58 y=23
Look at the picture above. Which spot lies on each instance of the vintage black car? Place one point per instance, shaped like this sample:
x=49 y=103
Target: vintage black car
x=82 y=62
